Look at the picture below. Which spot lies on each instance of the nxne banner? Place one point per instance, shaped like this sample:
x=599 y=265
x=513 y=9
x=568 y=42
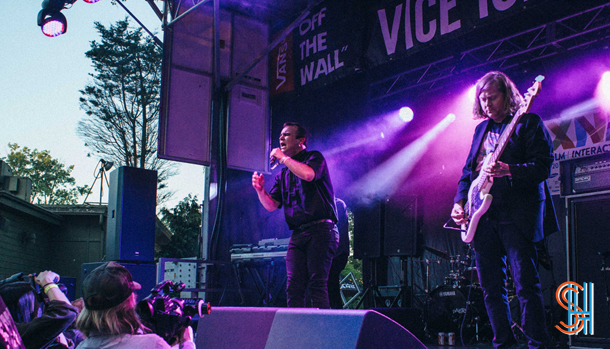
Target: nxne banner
x=583 y=134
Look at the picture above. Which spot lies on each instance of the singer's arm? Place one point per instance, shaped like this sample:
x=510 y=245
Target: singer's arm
x=300 y=169
x=258 y=183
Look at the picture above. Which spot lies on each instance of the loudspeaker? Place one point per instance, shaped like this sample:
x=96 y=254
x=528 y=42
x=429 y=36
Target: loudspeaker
x=248 y=133
x=400 y=226
x=270 y=328
x=589 y=219
x=145 y=274
x=386 y=227
x=130 y=235
x=368 y=225
x=409 y=318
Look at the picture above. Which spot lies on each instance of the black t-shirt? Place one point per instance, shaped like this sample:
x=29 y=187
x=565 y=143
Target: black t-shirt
x=303 y=201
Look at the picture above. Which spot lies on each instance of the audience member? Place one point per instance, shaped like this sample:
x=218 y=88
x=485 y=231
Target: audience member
x=109 y=319
x=38 y=329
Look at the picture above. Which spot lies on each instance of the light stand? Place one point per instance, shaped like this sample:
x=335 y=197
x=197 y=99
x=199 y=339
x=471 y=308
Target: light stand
x=101 y=173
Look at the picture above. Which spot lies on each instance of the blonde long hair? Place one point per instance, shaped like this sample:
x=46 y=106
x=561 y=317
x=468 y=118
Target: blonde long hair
x=512 y=97
x=121 y=319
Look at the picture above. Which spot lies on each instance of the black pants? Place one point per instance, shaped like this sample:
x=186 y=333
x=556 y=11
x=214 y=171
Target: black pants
x=310 y=253
x=493 y=244
x=334 y=280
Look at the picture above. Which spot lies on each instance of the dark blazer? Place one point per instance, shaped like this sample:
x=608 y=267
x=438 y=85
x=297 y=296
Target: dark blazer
x=523 y=197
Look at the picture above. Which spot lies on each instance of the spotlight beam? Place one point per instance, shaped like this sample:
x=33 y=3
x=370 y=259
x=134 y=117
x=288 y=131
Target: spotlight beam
x=386 y=178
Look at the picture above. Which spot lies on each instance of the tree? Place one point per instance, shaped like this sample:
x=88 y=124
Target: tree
x=52 y=183
x=122 y=102
x=184 y=221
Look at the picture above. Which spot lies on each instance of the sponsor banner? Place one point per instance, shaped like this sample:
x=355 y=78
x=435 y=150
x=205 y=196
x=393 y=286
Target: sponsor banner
x=581 y=135
x=323 y=48
x=404 y=27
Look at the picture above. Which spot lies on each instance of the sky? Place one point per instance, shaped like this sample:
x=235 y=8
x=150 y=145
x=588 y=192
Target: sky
x=40 y=78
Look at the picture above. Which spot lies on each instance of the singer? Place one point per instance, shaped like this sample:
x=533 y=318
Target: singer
x=304 y=189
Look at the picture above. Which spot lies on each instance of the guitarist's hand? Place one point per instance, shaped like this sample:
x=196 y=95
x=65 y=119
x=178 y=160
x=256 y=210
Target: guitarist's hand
x=457 y=213
x=497 y=169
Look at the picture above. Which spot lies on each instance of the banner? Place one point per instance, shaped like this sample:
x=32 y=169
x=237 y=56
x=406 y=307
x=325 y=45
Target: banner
x=340 y=37
x=401 y=28
x=583 y=134
x=323 y=48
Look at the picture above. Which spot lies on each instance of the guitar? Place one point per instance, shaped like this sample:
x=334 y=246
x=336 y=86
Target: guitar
x=479 y=199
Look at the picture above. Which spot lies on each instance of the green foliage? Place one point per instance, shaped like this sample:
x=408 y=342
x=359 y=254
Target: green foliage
x=184 y=221
x=52 y=183
x=122 y=102
x=353 y=265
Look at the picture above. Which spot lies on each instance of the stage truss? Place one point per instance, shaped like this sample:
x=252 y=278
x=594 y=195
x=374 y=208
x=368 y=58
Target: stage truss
x=578 y=31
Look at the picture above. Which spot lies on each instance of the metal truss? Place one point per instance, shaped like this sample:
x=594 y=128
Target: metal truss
x=578 y=31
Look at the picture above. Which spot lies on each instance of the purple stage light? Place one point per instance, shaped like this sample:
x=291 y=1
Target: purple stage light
x=606 y=84
x=54 y=26
x=471 y=93
x=406 y=114
x=603 y=91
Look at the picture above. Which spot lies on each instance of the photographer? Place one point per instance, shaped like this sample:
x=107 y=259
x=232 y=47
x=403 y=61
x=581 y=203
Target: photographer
x=109 y=319
x=38 y=332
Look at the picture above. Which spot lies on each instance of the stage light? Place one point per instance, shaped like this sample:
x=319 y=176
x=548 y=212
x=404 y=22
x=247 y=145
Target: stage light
x=606 y=84
x=91 y=1
x=53 y=24
x=406 y=114
x=450 y=117
x=50 y=19
x=382 y=135
x=471 y=93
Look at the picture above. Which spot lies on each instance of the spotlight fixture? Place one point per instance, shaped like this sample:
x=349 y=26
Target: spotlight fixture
x=52 y=23
x=406 y=114
x=107 y=164
x=50 y=19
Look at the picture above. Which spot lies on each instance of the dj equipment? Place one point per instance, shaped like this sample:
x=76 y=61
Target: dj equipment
x=264 y=251
x=260 y=269
x=584 y=175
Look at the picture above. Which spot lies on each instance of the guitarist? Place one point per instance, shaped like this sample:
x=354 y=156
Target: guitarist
x=514 y=220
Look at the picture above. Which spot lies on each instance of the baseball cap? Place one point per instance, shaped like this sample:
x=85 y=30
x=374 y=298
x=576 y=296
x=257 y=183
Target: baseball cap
x=107 y=286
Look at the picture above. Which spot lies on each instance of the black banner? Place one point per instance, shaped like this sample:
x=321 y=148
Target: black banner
x=325 y=47
x=402 y=28
x=340 y=37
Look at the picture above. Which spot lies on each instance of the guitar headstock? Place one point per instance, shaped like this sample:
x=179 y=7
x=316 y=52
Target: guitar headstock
x=534 y=90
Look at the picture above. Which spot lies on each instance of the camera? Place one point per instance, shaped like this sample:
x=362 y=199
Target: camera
x=168 y=316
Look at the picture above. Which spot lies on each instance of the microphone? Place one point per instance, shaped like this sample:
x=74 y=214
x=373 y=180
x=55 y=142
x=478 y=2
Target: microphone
x=273 y=162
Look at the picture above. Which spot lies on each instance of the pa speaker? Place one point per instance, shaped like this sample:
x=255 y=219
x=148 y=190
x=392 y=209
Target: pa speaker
x=301 y=328
x=400 y=226
x=130 y=235
x=368 y=234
